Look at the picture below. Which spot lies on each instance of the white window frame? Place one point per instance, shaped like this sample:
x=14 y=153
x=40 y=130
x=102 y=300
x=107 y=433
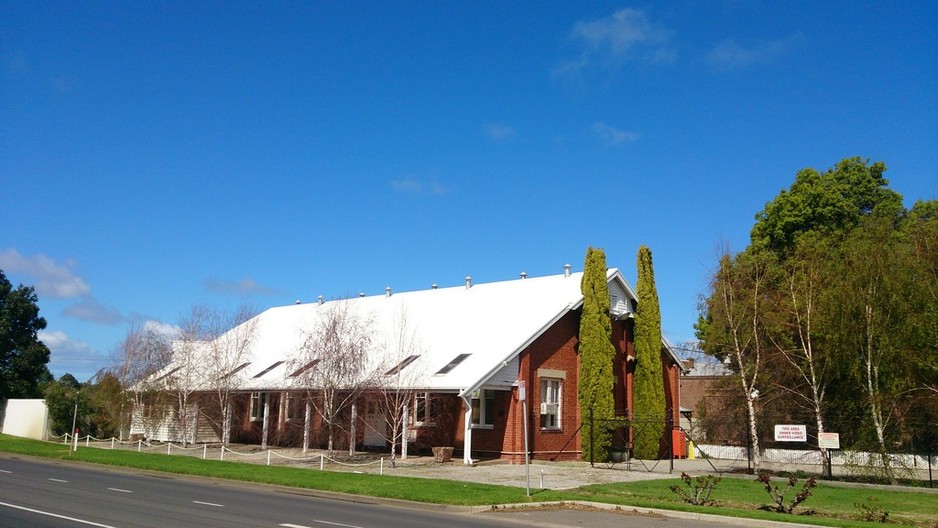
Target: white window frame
x=481 y=418
x=258 y=399
x=550 y=408
x=423 y=408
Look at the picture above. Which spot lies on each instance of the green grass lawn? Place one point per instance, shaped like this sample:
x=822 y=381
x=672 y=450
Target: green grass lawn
x=740 y=497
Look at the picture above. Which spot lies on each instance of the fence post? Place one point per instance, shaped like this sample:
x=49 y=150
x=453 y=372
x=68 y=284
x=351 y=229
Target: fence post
x=169 y=448
x=139 y=444
x=322 y=461
x=592 y=454
x=87 y=440
x=204 y=450
x=268 y=457
x=112 y=442
x=930 y=482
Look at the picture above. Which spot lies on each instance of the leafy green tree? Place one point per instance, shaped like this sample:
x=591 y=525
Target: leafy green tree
x=829 y=203
x=595 y=390
x=23 y=357
x=649 y=400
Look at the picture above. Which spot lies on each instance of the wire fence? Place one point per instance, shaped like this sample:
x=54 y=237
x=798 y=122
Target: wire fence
x=681 y=451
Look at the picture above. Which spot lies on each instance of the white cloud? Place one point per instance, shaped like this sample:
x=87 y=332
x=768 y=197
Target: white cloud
x=159 y=327
x=612 y=135
x=627 y=33
x=93 y=311
x=240 y=287
x=411 y=185
x=68 y=355
x=728 y=55
x=52 y=279
x=499 y=131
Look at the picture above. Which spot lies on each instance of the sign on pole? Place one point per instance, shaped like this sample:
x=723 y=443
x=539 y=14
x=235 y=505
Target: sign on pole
x=791 y=433
x=828 y=440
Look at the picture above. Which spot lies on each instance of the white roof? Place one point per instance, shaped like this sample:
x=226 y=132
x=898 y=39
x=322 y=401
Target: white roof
x=491 y=322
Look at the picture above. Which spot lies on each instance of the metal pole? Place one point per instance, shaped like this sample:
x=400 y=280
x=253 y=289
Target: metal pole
x=527 y=466
x=591 y=436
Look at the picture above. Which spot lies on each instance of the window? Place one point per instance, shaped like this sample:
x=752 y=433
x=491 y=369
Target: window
x=400 y=366
x=483 y=408
x=258 y=401
x=304 y=368
x=424 y=409
x=550 y=403
x=235 y=371
x=268 y=369
x=452 y=364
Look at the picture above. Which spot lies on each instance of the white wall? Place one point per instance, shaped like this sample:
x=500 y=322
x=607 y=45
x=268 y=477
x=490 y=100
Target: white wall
x=28 y=418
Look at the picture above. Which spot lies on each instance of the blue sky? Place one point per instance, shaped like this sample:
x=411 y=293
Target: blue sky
x=155 y=155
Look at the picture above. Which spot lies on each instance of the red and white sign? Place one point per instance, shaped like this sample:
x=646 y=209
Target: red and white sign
x=791 y=433
x=828 y=440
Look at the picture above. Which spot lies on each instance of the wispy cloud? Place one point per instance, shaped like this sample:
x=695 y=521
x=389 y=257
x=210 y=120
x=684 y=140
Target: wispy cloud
x=93 y=311
x=52 y=279
x=626 y=34
x=411 y=185
x=243 y=287
x=499 y=131
x=729 y=55
x=69 y=355
x=611 y=135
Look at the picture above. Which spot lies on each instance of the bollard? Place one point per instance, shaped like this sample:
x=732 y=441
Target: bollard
x=268 y=457
x=204 y=450
x=169 y=447
x=542 y=479
x=139 y=445
x=87 y=440
x=222 y=456
x=382 y=466
x=322 y=461
x=112 y=442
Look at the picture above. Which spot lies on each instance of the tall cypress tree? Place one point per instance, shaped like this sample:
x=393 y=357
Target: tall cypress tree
x=596 y=355
x=649 y=402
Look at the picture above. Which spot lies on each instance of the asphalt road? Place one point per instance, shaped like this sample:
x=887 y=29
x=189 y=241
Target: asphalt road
x=39 y=493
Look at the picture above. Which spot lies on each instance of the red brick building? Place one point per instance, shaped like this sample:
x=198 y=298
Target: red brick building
x=471 y=348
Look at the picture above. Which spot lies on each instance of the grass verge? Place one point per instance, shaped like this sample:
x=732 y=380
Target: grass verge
x=738 y=497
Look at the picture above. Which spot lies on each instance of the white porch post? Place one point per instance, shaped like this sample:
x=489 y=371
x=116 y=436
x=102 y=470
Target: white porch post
x=266 y=422
x=306 y=416
x=351 y=440
x=467 y=437
x=404 y=433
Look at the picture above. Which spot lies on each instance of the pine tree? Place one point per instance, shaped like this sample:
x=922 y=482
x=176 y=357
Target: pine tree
x=596 y=355
x=649 y=402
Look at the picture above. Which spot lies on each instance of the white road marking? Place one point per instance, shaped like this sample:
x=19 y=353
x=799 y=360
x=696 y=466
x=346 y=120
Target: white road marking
x=5 y=471
x=336 y=524
x=57 y=480
x=209 y=504
x=57 y=516
x=119 y=490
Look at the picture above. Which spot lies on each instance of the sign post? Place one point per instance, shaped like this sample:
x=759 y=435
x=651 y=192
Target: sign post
x=828 y=442
x=524 y=423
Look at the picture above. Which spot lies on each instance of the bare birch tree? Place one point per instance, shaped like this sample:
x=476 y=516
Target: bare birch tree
x=143 y=352
x=229 y=338
x=336 y=351
x=732 y=329
x=397 y=392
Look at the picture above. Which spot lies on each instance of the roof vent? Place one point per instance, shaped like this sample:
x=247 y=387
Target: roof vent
x=433 y=286
x=387 y=291
x=320 y=299
x=298 y=301
x=566 y=270
x=361 y=294
x=524 y=275
x=468 y=282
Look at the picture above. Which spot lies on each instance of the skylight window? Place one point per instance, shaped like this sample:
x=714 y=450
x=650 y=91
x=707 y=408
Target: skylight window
x=168 y=374
x=452 y=364
x=400 y=366
x=268 y=369
x=237 y=369
x=304 y=368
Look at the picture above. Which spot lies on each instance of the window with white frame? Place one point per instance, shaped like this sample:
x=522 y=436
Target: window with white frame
x=550 y=403
x=483 y=408
x=258 y=400
x=424 y=409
